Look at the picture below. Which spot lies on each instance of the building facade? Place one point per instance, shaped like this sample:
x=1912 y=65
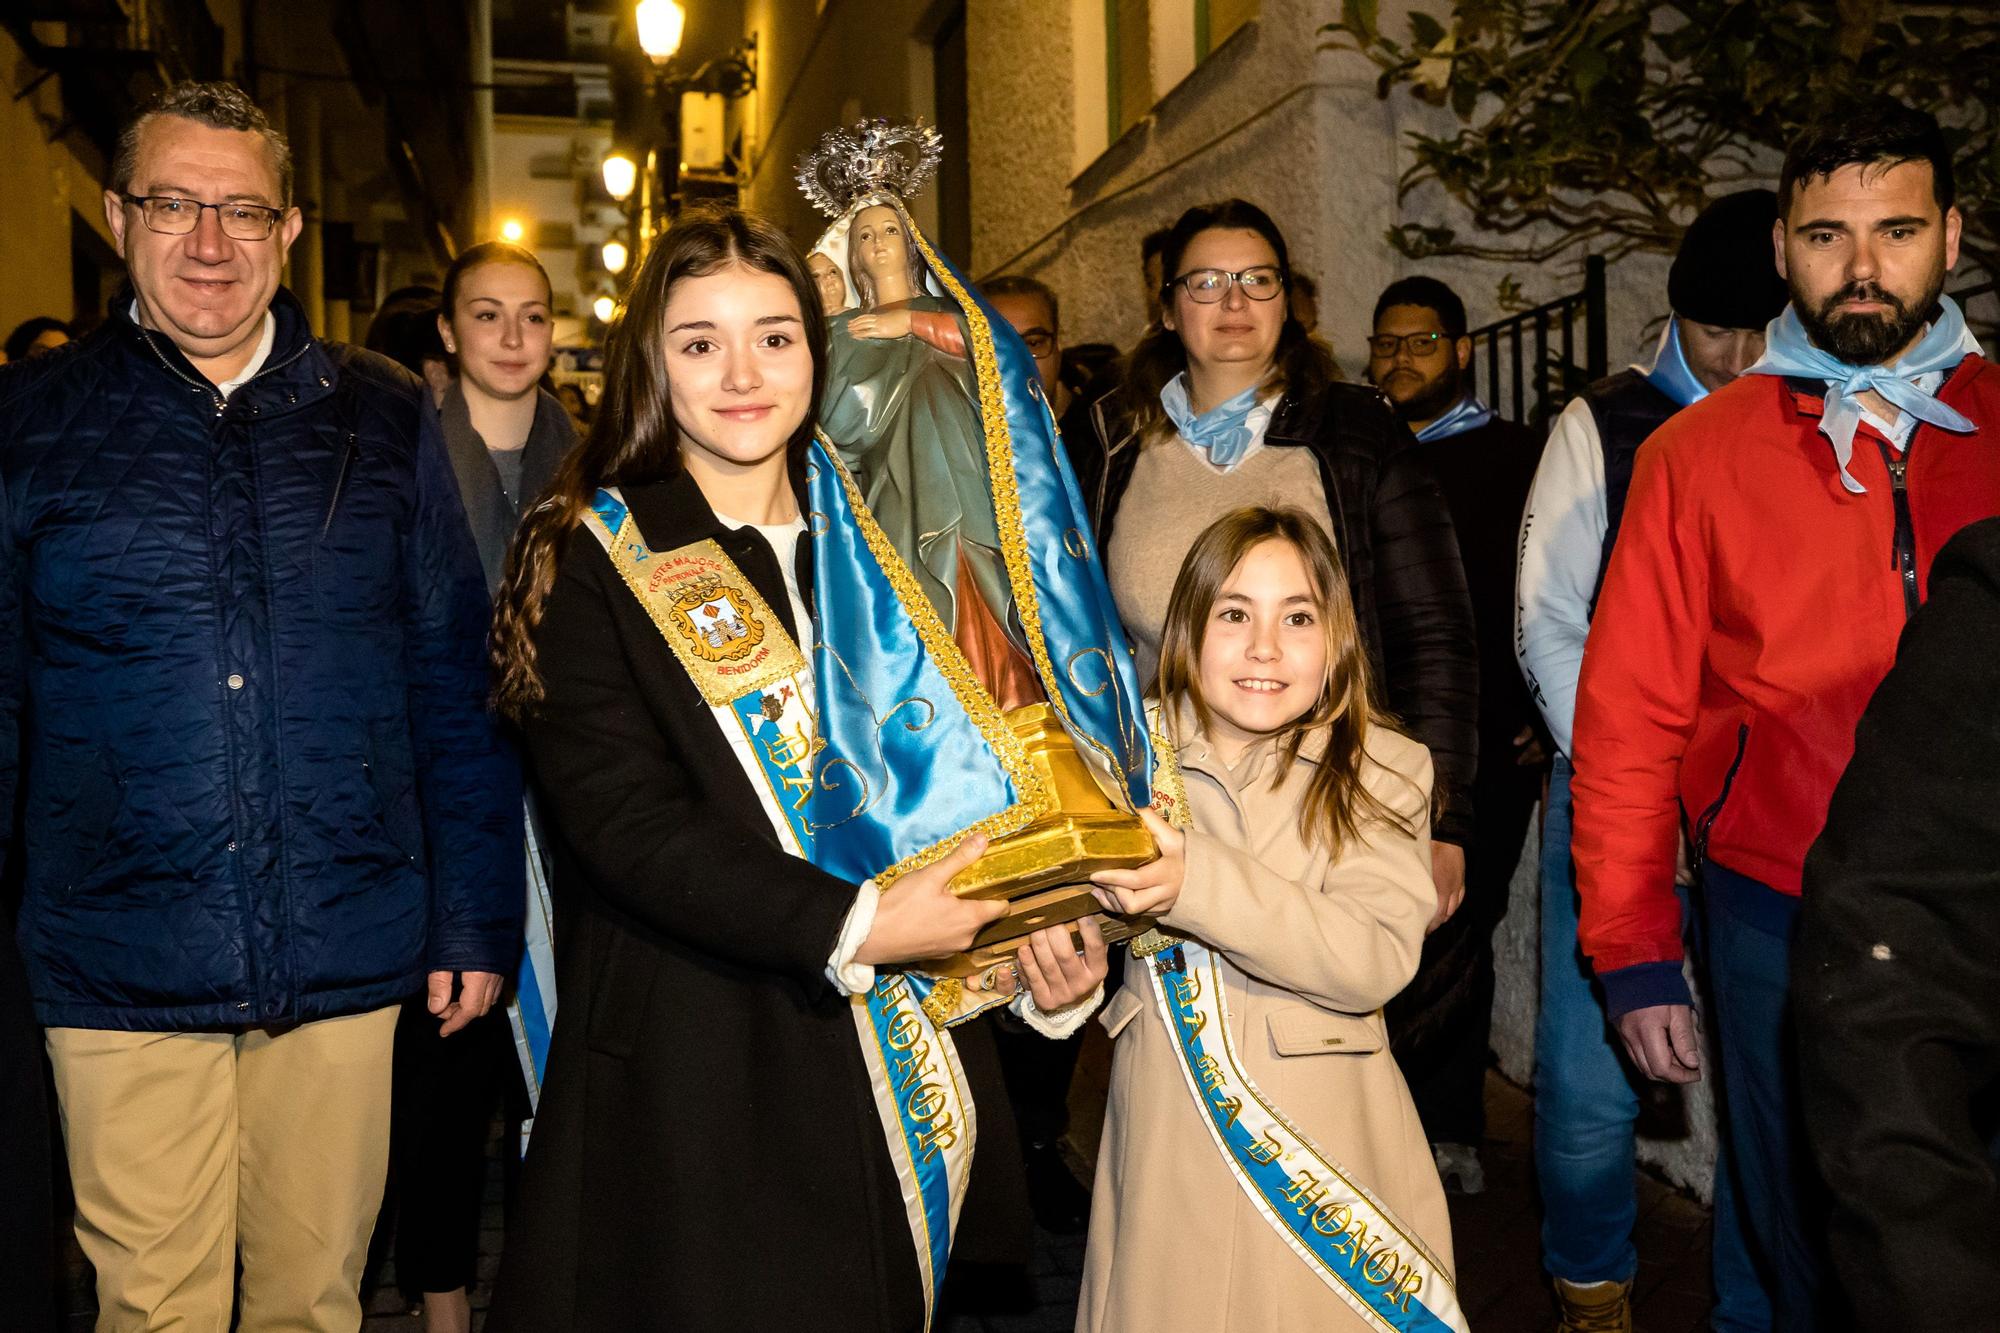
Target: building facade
x=374 y=96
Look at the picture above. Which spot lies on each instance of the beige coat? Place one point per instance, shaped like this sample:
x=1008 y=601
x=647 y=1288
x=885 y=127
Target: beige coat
x=1310 y=951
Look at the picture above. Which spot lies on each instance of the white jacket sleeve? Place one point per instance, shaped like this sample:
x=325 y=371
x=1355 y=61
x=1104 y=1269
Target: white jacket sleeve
x=1562 y=545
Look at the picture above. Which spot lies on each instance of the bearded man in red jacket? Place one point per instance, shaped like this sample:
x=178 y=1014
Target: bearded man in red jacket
x=1777 y=536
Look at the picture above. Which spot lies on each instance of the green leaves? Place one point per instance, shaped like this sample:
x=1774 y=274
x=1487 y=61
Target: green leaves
x=1612 y=120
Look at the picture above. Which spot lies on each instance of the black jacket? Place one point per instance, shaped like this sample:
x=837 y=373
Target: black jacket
x=1896 y=972
x=706 y=1155
x=1393 y=530
x=242 y=689
x=492 y=515
x=1485 y=474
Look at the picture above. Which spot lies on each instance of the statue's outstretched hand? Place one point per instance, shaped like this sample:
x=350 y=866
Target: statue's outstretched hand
x=881 y=324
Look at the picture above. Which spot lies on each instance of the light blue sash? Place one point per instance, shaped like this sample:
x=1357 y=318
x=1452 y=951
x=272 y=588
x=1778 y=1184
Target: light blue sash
x=532 y=1011
x=1789 y=351
x=1671 y=374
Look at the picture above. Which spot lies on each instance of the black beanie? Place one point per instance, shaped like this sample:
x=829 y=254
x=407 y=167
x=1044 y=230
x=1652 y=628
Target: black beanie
x=1724 y=274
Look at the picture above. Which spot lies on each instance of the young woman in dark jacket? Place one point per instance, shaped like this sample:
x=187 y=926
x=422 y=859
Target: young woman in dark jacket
x=1229 y=402
x=708 y=1152
x=504 y=435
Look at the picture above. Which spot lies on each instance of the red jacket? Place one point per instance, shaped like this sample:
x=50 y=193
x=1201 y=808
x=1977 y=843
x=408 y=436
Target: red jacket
x=1751 y=607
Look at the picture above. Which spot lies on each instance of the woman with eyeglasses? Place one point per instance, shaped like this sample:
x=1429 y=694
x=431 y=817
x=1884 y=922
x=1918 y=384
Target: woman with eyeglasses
x=1229 y=402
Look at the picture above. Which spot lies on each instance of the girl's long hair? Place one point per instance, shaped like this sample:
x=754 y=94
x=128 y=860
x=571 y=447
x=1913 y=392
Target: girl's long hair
x=1337 y=804
x=633 y=438
x=1300 y=365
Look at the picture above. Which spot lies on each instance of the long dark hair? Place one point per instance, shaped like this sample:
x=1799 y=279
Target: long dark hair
x=1301 y=365
x=633 y=438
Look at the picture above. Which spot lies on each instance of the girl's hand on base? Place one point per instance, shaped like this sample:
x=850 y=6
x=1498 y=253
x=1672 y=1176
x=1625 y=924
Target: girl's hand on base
x=920 y=917
x=1151 y=889
x=1057 y=975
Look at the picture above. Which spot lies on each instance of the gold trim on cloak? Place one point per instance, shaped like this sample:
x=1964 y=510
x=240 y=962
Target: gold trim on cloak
x=1036 y=800
x=1006 y=488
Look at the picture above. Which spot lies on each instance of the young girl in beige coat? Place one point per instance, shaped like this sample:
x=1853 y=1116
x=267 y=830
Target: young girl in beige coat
x=1262 y=1167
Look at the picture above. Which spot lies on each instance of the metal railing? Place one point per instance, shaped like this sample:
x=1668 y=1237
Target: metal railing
x=1527 y=363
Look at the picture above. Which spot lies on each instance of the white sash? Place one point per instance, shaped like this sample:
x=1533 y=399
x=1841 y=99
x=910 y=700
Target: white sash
x=532 y=1011
x=1348 y=1237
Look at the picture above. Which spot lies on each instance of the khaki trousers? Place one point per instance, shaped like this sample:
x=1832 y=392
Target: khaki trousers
x=185 y=1147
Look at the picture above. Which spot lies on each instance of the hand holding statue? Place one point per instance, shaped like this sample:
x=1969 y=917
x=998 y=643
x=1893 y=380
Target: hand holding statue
x=920 y=917
x=881 y=324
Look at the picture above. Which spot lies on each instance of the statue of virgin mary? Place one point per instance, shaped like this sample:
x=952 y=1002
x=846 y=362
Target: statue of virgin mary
x=902 y=405
x=935 y=412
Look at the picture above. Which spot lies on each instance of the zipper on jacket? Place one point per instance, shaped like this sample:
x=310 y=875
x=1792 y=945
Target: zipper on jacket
x=1903 y=558
x=339 y=483
x=215 y=399
x=1706 y=824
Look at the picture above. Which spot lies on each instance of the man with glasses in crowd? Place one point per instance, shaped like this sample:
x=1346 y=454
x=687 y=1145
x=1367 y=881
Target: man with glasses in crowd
x=247 y=781
x=1031 y=307
x=1421 y=359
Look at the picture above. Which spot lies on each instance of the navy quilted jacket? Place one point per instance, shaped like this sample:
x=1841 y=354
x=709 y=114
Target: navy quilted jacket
x=249 y=779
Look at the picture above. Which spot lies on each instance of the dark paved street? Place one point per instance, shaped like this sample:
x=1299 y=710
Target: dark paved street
x=1495 y=1233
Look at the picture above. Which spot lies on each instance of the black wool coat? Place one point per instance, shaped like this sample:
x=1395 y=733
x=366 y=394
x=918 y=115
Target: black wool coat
x=1896 y=971
x=707 y=1154
x=1394 y=532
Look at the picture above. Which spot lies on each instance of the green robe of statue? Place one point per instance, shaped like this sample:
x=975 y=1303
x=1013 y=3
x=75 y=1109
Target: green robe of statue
x=904 y=417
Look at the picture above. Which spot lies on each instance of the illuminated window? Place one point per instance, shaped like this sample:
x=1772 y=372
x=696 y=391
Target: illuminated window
x=1136 y=52
x=1128 y=51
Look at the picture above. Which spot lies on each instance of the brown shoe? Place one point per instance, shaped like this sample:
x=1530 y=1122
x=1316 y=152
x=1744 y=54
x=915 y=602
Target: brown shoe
x=1594 y=1307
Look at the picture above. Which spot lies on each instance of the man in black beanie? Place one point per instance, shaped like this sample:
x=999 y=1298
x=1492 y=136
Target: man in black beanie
x=1723 y=288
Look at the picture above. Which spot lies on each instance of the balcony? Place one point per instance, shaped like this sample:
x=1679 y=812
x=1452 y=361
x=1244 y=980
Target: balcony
x=112 y=54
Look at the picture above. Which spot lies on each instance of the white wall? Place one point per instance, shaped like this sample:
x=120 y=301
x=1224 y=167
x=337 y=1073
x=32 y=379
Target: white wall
x=517 y=141
x=1274 y=116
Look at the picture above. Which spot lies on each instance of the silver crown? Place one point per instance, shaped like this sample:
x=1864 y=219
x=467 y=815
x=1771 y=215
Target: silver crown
x=875 y=157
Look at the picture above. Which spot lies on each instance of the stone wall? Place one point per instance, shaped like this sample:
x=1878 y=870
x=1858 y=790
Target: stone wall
x=51 y=191
x=1273 y=115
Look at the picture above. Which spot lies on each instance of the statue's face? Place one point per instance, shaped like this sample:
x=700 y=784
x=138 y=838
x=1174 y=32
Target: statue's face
x=878 y=242
x=831 y=286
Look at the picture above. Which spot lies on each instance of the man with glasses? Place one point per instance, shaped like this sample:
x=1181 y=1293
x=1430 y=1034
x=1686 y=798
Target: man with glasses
x=247 y=781
x=1031 y=307
x=1420 y=358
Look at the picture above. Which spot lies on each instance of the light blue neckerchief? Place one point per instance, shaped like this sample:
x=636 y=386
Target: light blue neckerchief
x=1468 y=413
x=1788 y=351
x=1224 y=432
x=1670 y=372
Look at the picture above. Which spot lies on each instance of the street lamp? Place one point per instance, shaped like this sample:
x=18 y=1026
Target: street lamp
x=621 y=173
x=615 y=255
x=604 y=308
x=512 y=230
x=661 y=23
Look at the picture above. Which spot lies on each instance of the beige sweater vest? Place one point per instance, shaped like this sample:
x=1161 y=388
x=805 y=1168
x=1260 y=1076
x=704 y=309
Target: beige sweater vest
x=1174 y=494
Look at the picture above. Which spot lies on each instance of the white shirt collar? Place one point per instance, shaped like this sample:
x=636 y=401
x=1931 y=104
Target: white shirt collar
x=257 y=358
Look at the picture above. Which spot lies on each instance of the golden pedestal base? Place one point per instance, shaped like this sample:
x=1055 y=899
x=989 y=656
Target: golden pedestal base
x=1044 y=870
